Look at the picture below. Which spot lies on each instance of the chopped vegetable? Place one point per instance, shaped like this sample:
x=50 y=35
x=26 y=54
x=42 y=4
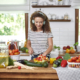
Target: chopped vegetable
x=66 y=56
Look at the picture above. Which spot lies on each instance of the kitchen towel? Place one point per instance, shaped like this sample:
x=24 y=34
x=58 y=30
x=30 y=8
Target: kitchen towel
x=67 y=74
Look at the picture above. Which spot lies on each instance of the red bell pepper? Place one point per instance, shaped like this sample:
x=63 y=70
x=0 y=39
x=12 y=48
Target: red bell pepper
x=59 y=57
x=63 y=63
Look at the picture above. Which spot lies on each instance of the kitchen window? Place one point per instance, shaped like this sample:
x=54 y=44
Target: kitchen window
x=12 y=26
x=14 y=19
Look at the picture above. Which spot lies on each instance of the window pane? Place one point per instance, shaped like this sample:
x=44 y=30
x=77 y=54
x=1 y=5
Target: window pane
x=12 y=26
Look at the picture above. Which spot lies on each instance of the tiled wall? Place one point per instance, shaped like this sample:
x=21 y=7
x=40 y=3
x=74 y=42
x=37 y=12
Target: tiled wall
x=63 y=32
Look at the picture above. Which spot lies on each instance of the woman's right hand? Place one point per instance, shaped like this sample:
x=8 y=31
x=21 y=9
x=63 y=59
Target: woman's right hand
x=30 y=51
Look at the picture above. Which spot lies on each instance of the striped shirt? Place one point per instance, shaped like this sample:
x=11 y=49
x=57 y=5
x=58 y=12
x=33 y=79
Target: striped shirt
x=39 y=41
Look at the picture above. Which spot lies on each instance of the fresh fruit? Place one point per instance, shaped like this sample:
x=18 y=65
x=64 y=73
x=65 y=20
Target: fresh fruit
x=77 y=60
x=72 y=51
x=68 y=47
x=73 y=58
x=67 y=50
x=14 y=52
x=69 y=60
x=41 y=58
x=26 y=50
x=64 y=48
x=71 y=48
x=19 y=67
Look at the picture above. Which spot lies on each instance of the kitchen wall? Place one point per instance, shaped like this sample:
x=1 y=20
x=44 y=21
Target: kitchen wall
x=63 y=32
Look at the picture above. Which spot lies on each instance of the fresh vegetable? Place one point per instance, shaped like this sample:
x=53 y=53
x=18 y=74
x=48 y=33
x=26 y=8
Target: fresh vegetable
x=23 y=66
x=19 y=67
x=57 y=63
x=66 y=56
x=28 y=63
x=21 y=61
x=59 y=57
x=59 y=60
x=45 y=64
x=52 y=60
x=54 y=65
x=63 y=63
x=23 y=49
x=10 y=62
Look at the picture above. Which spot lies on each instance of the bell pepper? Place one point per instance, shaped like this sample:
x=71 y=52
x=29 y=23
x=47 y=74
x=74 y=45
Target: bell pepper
x=59 y=57
x=63 y=63
x=52 y=60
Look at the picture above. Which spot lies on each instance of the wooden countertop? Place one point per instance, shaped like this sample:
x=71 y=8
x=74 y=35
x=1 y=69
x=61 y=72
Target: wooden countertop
x=38 y=73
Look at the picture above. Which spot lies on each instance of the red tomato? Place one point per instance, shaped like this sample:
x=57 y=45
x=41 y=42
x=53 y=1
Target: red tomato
x=73 y=58
x=16 y=50
x=77 y=60
x=19 y=67
x=69 y=60
x=76 y=57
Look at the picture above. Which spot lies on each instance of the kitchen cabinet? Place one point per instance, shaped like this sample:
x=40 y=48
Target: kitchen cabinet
x=39 y=73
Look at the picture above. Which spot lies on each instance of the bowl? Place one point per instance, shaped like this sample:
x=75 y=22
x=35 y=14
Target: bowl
x=15 y=57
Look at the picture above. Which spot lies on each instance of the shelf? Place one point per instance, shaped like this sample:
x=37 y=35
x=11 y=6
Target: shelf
x=46 y=6
x=75 y=54
x=60 y=20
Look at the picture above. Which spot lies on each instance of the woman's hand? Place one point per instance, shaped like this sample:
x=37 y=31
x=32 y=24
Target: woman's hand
x=44 y=54
x=30 y=51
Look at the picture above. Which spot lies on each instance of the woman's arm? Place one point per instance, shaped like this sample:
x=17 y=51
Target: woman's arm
x=29 y=47
x=50 y=43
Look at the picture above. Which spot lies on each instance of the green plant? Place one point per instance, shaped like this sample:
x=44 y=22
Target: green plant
x=76 y=44
x=56 y=47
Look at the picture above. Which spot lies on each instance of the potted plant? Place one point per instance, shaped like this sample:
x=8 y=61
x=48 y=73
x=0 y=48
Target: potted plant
x=77 y=47
x=56 y=47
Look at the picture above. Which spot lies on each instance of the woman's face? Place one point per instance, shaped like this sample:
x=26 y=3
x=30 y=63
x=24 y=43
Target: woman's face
x=38 y=22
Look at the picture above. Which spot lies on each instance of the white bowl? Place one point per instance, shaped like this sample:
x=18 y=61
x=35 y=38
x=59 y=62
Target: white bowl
x=15 y=57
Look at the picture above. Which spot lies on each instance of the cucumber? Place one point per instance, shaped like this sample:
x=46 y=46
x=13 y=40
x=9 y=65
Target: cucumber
x=32 y=64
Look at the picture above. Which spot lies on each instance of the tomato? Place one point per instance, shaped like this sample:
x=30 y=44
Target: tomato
x=16 y=50
x=73 y=58
x=76 y=57
x=77 y=60
x=69 y=60
x=16 y=53
x=10 y=53
x=19 y=67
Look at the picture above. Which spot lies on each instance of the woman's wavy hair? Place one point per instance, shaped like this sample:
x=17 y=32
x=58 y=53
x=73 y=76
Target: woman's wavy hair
x=45 y=27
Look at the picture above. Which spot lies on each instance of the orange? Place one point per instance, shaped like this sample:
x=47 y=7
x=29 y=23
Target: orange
x=72 y=51
x=67 y=50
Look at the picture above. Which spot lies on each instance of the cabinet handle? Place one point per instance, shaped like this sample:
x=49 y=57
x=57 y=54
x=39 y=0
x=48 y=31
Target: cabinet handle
x=76 y=17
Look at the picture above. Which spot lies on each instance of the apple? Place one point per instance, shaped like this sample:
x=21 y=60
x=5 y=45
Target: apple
x=68 y=47
x=71 y=48
x=27 y=50
x=64 y=48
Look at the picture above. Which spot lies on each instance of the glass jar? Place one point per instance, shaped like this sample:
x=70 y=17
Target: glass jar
x=4 y=55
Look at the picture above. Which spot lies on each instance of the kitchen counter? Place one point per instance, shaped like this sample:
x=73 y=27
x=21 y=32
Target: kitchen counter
x=39 y=73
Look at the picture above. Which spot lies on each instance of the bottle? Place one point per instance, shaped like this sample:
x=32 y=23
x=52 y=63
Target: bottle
x=25 y=43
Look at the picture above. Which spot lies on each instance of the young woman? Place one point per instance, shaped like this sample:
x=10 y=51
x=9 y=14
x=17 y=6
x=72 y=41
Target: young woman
x=40 y=36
